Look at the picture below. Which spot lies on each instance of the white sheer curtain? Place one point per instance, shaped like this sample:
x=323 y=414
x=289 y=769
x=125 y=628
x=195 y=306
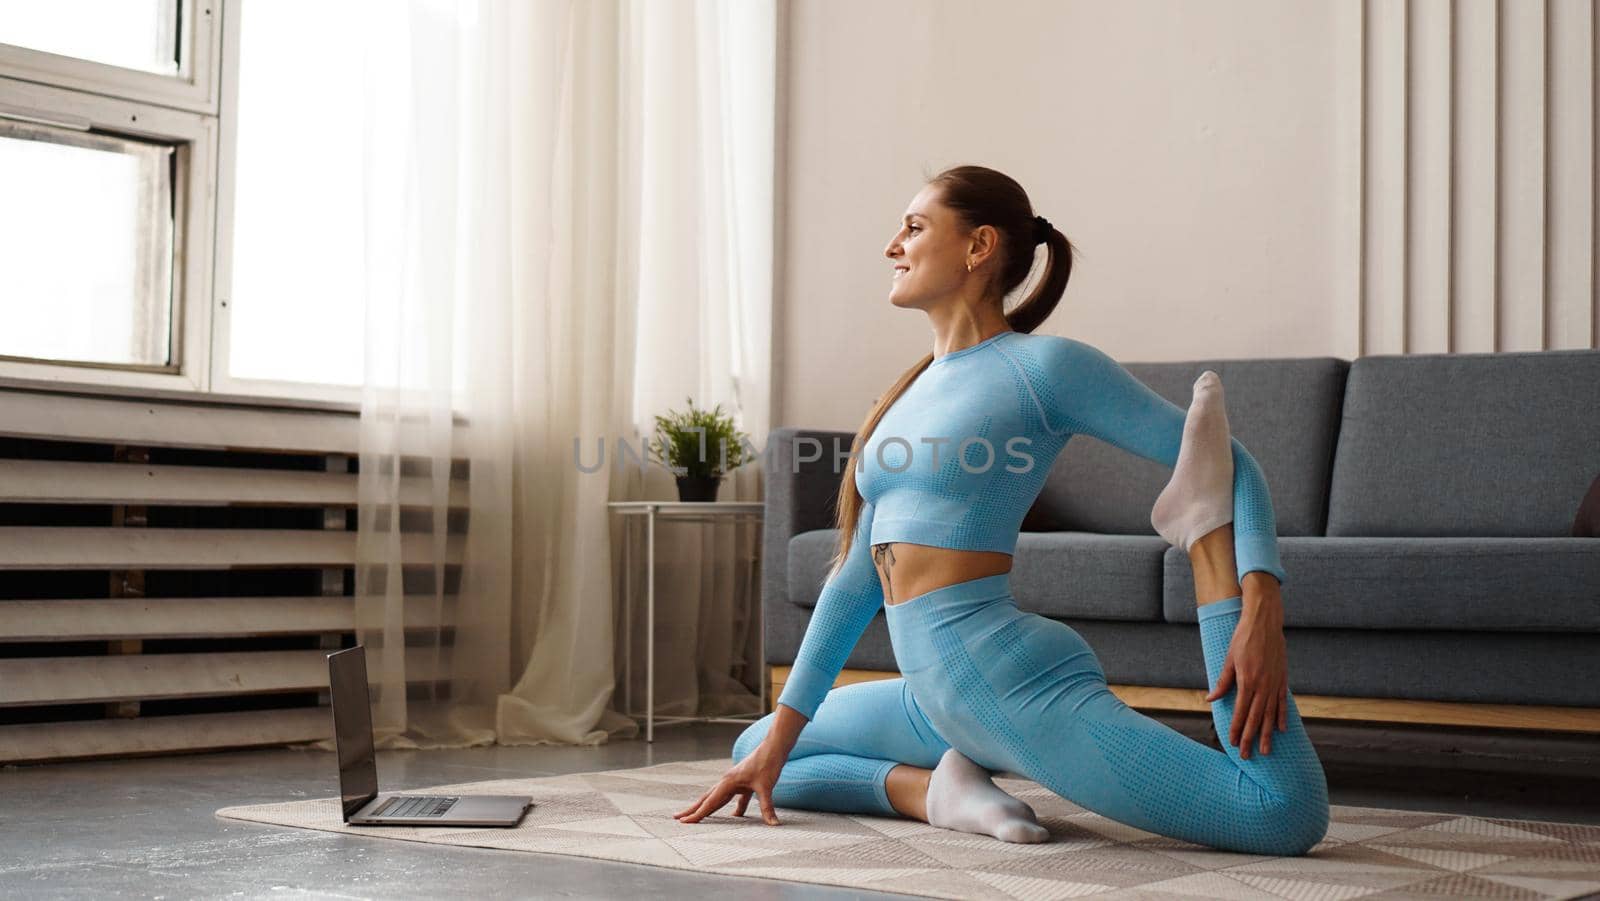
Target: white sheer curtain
x=698 y=107
x=568 y=230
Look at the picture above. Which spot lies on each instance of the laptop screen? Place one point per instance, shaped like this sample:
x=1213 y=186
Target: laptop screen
x=352 y=728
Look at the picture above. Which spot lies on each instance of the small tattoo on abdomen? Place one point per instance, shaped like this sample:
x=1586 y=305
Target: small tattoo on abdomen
x=881 y=553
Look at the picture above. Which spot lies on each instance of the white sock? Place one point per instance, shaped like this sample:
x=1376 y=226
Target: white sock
x=961 y=796
x=1199 y=498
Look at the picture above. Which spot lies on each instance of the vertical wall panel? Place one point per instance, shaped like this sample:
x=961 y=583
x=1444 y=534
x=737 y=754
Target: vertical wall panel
x=1349 y=129
x=1427 y=307
x=1384 y=316
x=1522 y=181
x=1570 y=247
x=1476 y=105
x=1478 y=176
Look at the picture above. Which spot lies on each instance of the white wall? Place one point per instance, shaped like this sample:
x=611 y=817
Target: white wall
x=1229 y=184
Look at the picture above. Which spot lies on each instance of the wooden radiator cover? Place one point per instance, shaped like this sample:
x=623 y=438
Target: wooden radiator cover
x=175 y=573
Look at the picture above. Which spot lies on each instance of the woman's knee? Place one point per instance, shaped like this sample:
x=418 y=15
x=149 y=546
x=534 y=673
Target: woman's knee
x=1306 y=834
x=1300 y=823
x=751 y=737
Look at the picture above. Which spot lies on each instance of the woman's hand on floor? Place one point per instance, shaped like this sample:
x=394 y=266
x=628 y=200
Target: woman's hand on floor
x=756 y=774
x=1258 y=661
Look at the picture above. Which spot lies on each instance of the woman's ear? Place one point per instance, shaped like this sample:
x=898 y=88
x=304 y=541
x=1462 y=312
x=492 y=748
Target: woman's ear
x=985 y=239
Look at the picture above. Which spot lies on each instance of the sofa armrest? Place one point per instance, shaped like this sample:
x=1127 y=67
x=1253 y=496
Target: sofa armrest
x=803 y=469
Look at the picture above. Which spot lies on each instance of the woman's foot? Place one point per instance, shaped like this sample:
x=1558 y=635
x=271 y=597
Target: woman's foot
x=1199 y=498
x=961 y=796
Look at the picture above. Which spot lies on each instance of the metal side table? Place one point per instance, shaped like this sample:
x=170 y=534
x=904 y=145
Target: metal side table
x=639 y=521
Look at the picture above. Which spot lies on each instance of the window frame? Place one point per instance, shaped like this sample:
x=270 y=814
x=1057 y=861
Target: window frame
x=221 y=313
x=195 y=135
x=195 y=111
x=200 y=30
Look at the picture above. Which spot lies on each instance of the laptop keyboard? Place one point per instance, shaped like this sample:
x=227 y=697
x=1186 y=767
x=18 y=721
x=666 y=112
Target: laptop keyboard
x=414 y=806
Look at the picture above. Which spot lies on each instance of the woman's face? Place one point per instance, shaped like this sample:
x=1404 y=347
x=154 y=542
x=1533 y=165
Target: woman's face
x=929 y=253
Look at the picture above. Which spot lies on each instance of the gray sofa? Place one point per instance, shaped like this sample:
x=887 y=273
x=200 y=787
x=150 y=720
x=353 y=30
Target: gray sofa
x=1424 y=507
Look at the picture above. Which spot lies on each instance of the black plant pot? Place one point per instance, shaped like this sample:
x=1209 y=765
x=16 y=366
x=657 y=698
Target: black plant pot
x=698 y=488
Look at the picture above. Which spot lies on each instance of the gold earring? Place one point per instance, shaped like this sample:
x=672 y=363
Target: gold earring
x=969 y=265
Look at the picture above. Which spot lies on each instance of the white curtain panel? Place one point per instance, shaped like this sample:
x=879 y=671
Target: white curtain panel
x=568 y=231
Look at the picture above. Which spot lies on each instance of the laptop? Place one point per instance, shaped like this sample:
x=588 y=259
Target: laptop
x=358 y=766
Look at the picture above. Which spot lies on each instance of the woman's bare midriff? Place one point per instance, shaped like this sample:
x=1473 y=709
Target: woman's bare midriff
x=909 y=570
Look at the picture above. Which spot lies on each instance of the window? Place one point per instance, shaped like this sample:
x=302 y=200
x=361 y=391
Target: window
x=291 y=248
x=149 y=51
x=105 y=239
x=88 y=228
x=133 y=34
x=171 y=221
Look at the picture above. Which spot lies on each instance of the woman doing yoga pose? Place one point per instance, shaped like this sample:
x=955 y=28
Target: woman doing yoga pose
x=945 y=467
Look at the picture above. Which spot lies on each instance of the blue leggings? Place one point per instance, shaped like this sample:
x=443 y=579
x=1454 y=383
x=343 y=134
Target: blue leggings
x=1020 y=693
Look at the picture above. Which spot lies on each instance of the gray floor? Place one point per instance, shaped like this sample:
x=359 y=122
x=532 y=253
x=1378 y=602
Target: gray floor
x=145 y=828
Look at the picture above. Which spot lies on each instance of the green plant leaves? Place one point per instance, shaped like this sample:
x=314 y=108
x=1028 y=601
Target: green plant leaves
x=699 y=442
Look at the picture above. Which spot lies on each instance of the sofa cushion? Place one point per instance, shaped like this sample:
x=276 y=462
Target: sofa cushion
x=1466 y=444
x=809 y=553
x=1058 y=574
x=1284 y=411
x=1089 y=576
x=1454 y=584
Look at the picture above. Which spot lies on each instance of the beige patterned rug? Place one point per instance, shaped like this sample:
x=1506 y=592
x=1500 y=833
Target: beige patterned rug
x=625 y=815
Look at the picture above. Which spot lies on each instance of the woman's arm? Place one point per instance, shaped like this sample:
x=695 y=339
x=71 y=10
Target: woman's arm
x=849 y=601
x=1091 y=394
x=846 y=606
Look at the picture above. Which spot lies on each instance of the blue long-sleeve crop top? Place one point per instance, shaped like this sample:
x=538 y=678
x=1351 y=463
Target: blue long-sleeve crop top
x=960 y=456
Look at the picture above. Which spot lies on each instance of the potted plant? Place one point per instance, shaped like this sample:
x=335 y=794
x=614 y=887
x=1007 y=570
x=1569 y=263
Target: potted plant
x=700 y=446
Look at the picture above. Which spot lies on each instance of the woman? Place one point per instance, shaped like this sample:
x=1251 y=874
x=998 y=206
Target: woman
x=957 y=451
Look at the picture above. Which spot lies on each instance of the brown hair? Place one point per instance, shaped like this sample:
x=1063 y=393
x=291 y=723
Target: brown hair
x=979 y=196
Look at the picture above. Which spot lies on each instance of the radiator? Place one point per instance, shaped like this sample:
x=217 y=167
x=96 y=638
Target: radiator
x=173 y=573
